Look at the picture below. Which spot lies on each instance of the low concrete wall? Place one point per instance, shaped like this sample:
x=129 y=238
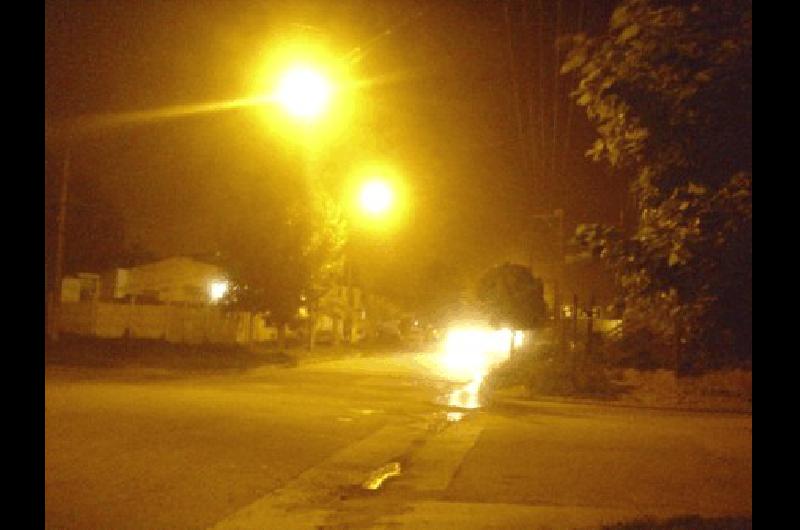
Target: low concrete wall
x=77 y=317
x=179 y=324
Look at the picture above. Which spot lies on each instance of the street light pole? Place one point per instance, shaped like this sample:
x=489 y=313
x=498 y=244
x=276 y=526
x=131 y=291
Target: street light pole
x=558 y=215
x=55 y=303
x=561 y=325
x=347 y=328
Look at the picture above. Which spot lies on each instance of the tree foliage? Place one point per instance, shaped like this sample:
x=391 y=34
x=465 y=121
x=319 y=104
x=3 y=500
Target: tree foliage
x=669 y=88
x=281 y=256
x=511 y=296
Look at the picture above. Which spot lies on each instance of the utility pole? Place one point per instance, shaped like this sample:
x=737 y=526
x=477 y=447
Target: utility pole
x=559 y=326
x=351 y=300
x=558 y=215
x=55 y=308
x=590 y=330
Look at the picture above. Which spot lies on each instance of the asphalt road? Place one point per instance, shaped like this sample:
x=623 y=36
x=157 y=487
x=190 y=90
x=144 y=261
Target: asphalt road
x=294 y=447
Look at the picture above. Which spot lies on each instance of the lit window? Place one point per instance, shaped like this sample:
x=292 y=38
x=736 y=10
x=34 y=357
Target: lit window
x=217 y=290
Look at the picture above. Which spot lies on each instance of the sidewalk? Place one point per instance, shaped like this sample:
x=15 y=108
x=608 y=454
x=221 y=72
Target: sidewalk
x=602 y=464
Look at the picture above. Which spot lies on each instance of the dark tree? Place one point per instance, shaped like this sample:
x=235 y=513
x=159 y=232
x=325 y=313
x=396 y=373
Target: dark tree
x=669 y=87
x=282 y=256
x=511 y=297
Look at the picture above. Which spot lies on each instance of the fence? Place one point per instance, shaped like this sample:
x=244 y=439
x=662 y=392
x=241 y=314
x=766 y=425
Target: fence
x=173 y=323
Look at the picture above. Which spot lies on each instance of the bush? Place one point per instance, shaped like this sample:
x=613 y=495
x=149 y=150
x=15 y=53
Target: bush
x=537 y=372
x=545 y=373
x=640 y=349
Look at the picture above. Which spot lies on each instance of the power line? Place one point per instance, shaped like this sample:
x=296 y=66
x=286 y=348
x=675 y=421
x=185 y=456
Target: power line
x=359 y=52
x=540 y=61
x=571 y=106
x=515 y=83
x=535 y=153
x=555 y=88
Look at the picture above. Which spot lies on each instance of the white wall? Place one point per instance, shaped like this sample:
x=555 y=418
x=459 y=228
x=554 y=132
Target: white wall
x=169 y=322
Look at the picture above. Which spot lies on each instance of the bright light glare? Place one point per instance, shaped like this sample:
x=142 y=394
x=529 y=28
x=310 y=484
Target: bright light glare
x=303 y=92
x=469 y=354
x=519 y=338
x=376 y=197
x=217 y=289
x=465 y=351
x=468 y=351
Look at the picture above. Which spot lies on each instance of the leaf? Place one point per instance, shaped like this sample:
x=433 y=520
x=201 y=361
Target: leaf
x=694 y=189
x=703 y=77
x=607 y=82
x=596 y=149
x=575 y=59
x=636 y=134
x=628 y=33
x=619 y=17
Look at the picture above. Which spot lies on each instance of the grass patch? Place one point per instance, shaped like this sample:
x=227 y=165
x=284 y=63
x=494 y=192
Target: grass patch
x=73 y=351
x=689 y=522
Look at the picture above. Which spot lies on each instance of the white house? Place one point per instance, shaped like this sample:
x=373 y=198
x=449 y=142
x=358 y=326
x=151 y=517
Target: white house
x=178 y=280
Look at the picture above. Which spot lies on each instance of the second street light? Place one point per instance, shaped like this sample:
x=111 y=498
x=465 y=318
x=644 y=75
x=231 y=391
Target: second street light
x=376 y=197
x=376 y=205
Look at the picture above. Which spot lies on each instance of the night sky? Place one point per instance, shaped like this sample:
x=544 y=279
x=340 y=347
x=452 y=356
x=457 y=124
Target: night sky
x=444 y=115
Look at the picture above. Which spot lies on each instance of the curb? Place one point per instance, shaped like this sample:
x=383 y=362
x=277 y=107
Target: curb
x=521 y=402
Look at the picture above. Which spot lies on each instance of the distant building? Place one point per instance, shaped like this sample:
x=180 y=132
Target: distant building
x=340 y=314
x=196 y=285
x=82 y=287
x=177 y=280
x=172 y=299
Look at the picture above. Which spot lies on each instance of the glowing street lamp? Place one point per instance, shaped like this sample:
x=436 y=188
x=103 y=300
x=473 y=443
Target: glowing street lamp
x=376 y=197
x=303 y=92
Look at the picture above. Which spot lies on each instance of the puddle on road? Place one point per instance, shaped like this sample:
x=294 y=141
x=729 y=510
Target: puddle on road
x=455 y=417
x=464 y=399
x=380 y=475
x=367 y=412
x=466 y=396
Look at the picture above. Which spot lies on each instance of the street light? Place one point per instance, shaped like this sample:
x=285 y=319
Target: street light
x=303 y=92
x=303 y=89
x=377 y=201
x=376 y=197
